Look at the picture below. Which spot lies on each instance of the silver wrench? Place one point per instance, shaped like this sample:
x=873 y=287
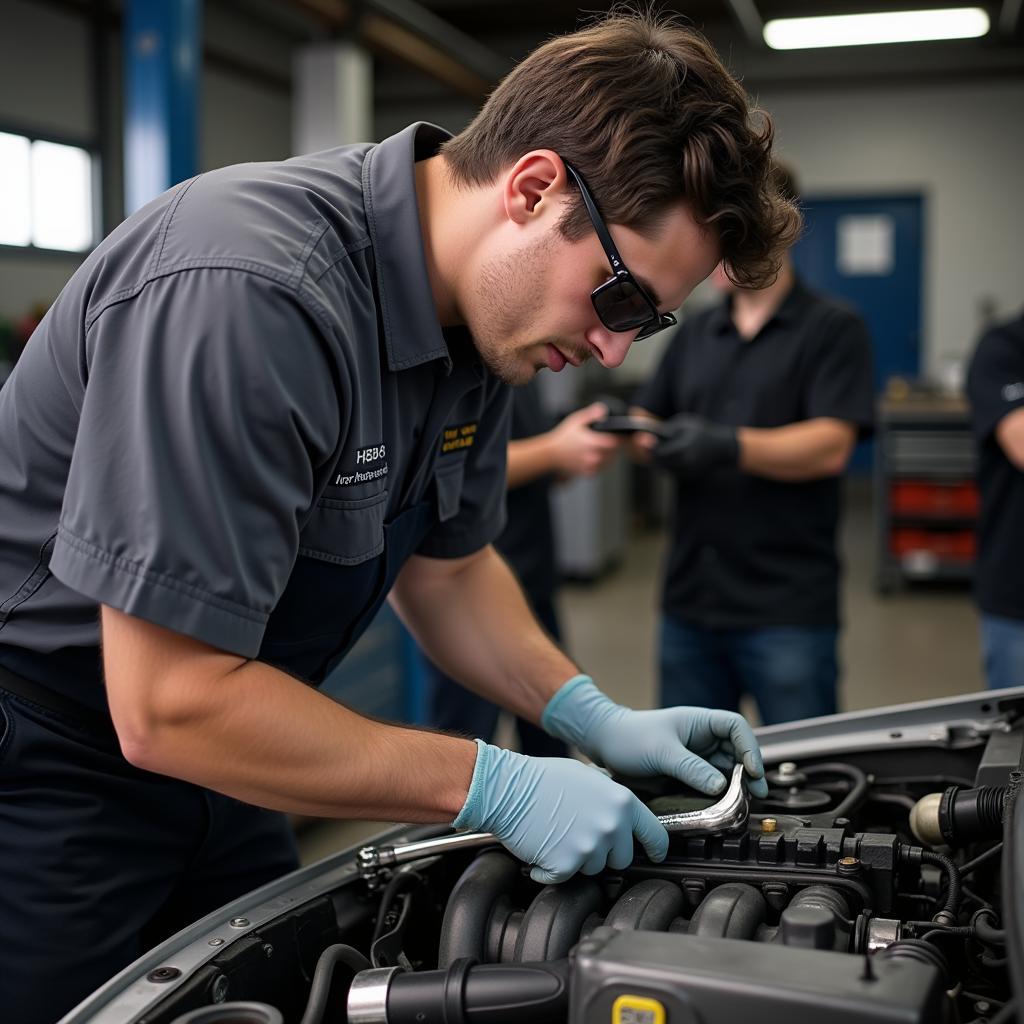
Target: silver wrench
x=728 y=813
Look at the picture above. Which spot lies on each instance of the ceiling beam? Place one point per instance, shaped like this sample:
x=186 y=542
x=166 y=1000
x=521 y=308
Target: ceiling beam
x=406 y=31
x=747 y=16
x=1009 y=18
x=388 y=39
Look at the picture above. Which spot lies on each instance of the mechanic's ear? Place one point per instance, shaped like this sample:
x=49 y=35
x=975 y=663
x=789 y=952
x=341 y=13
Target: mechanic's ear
x=534 y=186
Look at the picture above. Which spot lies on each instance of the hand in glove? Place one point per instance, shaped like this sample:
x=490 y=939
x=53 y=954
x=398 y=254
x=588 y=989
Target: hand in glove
x=558 y=814
x=694 y=745
x=693 y=446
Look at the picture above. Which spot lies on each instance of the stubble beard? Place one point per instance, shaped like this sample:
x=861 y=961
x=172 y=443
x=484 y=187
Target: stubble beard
x=509 y=292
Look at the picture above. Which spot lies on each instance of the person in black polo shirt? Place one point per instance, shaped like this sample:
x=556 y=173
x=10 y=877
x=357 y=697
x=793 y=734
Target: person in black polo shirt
x=765 y=396
x=995 y=387
x=540 y=452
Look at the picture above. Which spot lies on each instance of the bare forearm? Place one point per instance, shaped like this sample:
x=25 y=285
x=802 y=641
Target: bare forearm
x=530 y=458
x=476 y=626
x=809 y=450
x=255 y=733
x=1010 y=435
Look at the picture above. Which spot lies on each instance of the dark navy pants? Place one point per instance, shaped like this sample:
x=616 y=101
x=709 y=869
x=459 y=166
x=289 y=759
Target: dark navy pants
x=456 y=709
x=790 y=671
x=99 y=860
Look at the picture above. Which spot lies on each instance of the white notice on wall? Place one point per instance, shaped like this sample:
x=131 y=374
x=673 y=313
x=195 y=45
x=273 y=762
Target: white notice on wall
x=864 y=244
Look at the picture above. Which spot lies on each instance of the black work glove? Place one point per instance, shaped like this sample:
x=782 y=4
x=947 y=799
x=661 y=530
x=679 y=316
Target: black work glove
x=691 y=447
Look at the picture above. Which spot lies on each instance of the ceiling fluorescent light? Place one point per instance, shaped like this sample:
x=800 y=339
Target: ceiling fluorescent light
x=868 y=29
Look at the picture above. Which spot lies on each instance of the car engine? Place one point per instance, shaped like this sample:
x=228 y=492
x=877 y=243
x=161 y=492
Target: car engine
x=878 y=881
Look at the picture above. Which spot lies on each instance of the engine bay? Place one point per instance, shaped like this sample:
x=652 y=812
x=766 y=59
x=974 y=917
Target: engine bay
x=874 y=883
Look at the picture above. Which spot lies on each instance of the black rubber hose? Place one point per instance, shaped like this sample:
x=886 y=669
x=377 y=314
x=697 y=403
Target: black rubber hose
x=858 y=789
x=399 y=882
x=496 y=993
x=907 y=803
x=945 y=933
x=985 y=931
x=471 y=904
x=952 y=904
x=983 y=858
x=921 y=952
x=320 y=990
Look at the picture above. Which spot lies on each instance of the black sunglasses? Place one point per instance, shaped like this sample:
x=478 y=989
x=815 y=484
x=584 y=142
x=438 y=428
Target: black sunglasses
x=622 y=303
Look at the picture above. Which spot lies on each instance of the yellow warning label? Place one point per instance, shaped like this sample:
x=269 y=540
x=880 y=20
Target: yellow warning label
x=637 y=1010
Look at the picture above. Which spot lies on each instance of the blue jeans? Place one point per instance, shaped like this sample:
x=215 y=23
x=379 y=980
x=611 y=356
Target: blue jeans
x=1002 y=641
x=790 y=671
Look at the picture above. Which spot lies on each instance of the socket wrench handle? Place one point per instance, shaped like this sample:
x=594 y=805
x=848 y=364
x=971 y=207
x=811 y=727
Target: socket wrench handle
x=726 y=815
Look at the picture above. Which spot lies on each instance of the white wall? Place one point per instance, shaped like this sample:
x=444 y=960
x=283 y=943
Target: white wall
x=962 y=147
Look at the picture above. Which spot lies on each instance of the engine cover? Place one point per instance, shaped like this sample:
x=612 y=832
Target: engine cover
x=662 y=978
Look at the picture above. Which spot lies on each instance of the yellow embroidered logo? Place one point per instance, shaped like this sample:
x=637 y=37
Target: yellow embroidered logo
x=455 y=438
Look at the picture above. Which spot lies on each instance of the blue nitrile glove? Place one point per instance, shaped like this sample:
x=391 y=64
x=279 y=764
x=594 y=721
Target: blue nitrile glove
x=558 y=814
x=689 y=744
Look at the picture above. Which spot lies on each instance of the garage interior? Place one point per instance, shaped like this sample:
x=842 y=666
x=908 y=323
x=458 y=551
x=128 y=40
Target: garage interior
x=934 y=124
x=932 y=120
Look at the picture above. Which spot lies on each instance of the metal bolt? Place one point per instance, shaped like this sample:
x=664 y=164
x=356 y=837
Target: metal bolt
x=216 y=942
x=769 y=824
x=268 y=950
x=239 y=922
x=162 y=974
x=219 y=992
x=981 y=1007
x=787 y=768
x=848 y=865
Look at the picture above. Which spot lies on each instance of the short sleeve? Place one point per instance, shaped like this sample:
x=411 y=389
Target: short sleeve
x=840 y=383
x=211 y=406
x=656 y=394
x=995 y=380
x=480 y=518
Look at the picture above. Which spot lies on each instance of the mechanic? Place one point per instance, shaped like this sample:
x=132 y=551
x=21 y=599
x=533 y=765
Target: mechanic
x=765 y=395
x=995 y=388
x=277 y=393
x=539 y=454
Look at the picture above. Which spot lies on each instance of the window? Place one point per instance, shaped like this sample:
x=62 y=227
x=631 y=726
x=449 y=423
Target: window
x=46 y=194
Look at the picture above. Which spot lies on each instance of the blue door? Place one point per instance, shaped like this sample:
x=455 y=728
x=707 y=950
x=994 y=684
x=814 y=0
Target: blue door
x=868 y=251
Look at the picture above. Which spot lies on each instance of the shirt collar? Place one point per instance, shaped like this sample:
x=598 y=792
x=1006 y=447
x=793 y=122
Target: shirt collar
x=791 y=308
x=795 y=302
x=412 y=333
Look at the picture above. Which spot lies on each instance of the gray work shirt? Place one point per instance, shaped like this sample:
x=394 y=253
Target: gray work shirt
x=245 y=375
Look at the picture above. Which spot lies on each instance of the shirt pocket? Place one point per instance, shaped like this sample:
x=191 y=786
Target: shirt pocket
x=448 y=481
x=345 y=531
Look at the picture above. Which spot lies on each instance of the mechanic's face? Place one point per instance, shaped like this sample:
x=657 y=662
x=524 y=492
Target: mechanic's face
x=531 y=306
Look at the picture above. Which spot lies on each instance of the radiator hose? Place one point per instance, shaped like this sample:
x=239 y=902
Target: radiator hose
x=465 y=993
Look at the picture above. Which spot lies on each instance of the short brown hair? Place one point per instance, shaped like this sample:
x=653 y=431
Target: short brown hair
x=785 y=181
x=645 y=110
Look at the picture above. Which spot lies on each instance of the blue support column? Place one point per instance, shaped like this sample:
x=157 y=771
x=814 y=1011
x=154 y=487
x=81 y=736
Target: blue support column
x=163 y=61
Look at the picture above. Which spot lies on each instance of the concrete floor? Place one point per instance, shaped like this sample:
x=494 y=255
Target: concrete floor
x=917 y=643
